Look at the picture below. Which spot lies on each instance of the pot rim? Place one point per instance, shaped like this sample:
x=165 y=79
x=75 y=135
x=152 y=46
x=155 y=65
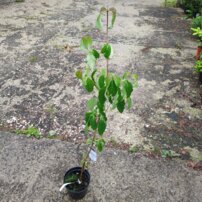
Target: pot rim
x=86 y=173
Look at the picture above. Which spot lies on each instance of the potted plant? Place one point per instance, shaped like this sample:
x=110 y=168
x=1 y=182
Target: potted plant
x=109 y=91
x=198 y=68
x=198 y=32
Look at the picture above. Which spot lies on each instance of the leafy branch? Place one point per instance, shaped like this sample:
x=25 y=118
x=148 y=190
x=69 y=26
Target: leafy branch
x=106 y=87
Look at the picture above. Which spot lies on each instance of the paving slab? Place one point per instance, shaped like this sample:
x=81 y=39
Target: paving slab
x=39 y=56
x=32 y=170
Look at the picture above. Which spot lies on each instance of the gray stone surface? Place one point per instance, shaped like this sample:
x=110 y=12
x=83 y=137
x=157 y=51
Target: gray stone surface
x=32 y=171
x=37 y=74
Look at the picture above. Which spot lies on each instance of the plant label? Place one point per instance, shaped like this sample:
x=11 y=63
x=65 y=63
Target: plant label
x=93 y=155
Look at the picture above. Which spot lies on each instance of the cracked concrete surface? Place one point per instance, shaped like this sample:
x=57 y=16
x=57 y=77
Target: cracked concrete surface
x=33 y=170
x=39 y=55
x=37 y=79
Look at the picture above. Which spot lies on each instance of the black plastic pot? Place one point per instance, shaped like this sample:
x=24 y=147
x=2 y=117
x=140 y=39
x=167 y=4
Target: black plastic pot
x=82 y=189
x=200 y=77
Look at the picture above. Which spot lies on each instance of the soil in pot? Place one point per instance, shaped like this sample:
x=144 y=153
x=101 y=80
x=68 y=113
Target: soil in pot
x=77 y=190
x=198 y=52
x=200 y=77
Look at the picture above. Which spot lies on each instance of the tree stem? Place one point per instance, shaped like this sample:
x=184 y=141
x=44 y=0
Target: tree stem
x=107 y=39
x=87 y=156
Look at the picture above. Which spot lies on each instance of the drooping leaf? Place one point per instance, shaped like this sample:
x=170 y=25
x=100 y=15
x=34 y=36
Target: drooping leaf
x=113 y=10
x=129 y=101
x=101 y=126
x=117 y=81
x=89 y=141
x=101 y=96
x=99 y=23
x=103 y=10
x=128 y=88
x=91 y=60
x=79 y=74
x=93 y=122
x=92 y=103
x=121 y=105
x=101 y=81
x=95 y=53
x=107 y=51
x=100 y=144
x=86 y=42
x=112 y=89
x=87 y=118
x=89 y=85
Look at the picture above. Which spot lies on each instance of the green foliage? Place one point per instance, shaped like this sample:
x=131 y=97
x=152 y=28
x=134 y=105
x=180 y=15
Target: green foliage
x=109 y=90
x=100 y=143
x=171 y=3
x=198 y=33
x=191 y=7
x=197 y=22
x=89 y=85
x=113 y=10
x=134 y=149
x=198 y=66
x=107 y=51
x=31 y=131
x=101 y=126
x=86 y=43
x=19 y=1
x=169 y=154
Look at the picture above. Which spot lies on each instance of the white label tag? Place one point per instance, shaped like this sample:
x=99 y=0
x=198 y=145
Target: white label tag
x=93 y=155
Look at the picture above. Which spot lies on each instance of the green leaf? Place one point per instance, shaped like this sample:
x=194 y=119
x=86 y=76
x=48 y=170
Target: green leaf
x=92 y=103
x=89 y=85
x=103 y=10
x=107 y=51
x=91 y=60
x=112 y=89
x=86 y=42
x=113 y=10
x=101 y=81
x=128 y=88
x=93 y=122
x=130 y=103
x=101 y=96
x=101 y=126
x=89 y=141
x=95 y=53
x=121 y=105
x=100 y=144
x=99 y=23
x=79 y=74
x=117 y=81
x=87 y=117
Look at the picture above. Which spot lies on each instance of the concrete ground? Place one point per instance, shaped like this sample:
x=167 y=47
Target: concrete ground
x=32 y=171
x=39 y=54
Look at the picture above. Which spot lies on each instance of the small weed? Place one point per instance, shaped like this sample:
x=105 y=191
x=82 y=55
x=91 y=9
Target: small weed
x=170 y=3
x=134 y=149
x=52 y=134
x=31 y=131
x=19 y=1
x=33 y=59
x=169 y=154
